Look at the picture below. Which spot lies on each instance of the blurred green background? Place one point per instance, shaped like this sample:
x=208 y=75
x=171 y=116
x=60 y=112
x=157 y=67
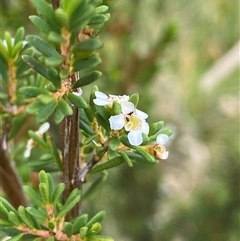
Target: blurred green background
x=182 y=57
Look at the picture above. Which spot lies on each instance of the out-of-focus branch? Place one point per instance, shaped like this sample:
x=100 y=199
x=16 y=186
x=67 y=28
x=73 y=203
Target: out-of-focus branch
x=221 y=69
x=9 y=180
x=55 y=4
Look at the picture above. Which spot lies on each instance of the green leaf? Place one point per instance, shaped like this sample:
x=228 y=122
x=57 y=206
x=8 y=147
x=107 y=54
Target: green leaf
x=57 y=193
x=42 y=46
x=6 y=205
x=71 y=201
x=64 y=106
x=32 y=91
x=78 y=101
x=95 y=185
x=134 y=99
x=54 y=77
x=102 y=9
x=139 y=158
x=16 y=49
x=109 y=164
x=47 y=11
x=40 y=24
x=43 y=177
x=81 y=64
x=3 y=210
x=33 y=195
x=149 y=158
x=54 y=152
x=46 y=111
x=96 y=228
x=58 y=115
x=126 y=158
x=68 y=229
x=117 y=108
x=17 y=237
x=114 y=143
x=99 y=18
x=9 y=43
x=25 y=217
x=37 y=66
x=79 y=222
x=88 y=45
x=155 y=127
x=35 y=107
x=87 y=79
x=13 y=218
x=85 y=127
x=53 y=61
x=96 y=218
x=37 y=213
x=38 y=139
x=19 y=35
x=83 y=232
x=17 y=123
x=100 y=238
x=44 y=191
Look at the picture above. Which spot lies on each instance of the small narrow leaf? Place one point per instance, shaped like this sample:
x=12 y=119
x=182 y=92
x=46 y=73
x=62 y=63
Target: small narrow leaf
x=37 y=213
x=19 y=35
x=38 y=139
x=43 y=188
x=145 y=155
x=99 y=18
x=85 y=127
x=100 y=238
x=37 y=66
x=83 y=232
x=134 y=99
x=42 y=46
x=46 y=111
x=13 y=218
x=79 y=222
x=96 y=218
x=40 y=24
x=114 y=143
x=126 y=158
x=87 y=79
x=32 y=91
x=78 y=101
x=81 y=64
x=64 y=106
x=34 y=107
x=71 y=201
x=25 y=217
x=57 y=193
x=88 y=45
x=17 y=237
x=68 y=229
x=54 y=152
x=33 y=195
x=109 y=164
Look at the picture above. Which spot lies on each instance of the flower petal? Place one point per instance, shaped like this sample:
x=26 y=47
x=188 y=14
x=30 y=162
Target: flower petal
x=145 y=127
x=162 y=139
x=135 y=138
x=43 y=128
x=127 y=107
x=117 y=122
x=141 y=115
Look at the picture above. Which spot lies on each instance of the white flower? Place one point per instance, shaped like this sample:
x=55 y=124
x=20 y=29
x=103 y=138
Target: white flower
x=30 y=144
x=159 y=149
x=133 y=120
x=103 y=99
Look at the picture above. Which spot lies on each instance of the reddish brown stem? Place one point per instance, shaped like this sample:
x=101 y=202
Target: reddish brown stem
x=70 y=156
x=10 y=181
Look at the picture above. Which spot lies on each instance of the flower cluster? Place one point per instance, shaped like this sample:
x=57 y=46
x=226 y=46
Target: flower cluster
x=133 y=121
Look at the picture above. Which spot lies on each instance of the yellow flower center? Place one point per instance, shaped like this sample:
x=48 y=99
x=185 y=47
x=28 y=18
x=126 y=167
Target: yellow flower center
x=133 y=123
